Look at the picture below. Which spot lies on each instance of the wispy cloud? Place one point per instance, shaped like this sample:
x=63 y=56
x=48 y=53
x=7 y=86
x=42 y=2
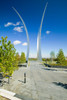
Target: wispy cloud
x=24 y=44
x=8 y=24
x=17 y=23
x=12 y=24
x=48 y=32
x=16 y=42
x=18 y=29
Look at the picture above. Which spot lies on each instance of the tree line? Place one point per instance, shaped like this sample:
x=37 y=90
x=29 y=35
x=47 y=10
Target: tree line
x=60 y=58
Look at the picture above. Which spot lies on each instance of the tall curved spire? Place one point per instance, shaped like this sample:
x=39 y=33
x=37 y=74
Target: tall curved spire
x=26 y=33
x=43 y=18
x=39 y=36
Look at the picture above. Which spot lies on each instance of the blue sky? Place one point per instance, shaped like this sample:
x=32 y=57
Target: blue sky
x=55 y=21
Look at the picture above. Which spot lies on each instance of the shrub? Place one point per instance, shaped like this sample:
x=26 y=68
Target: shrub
x=43 y=59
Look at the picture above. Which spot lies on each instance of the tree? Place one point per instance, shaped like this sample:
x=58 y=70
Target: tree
x=52 y=54
x=17 y=57
x=60 y=57
x=22 y=58
x=7 y=57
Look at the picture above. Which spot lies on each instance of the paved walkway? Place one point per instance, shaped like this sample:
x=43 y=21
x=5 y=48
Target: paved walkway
x=42 y=83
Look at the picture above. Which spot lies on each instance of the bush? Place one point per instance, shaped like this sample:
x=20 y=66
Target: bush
x=55 y=59
x=43 y=59
x=32 y=59
x=48 y=59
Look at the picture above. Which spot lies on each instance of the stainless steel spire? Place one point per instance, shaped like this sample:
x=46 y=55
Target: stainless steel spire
x=26 y=33
x=39 y=57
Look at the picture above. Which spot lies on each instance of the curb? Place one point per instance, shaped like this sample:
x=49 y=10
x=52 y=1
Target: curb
x=8 y=94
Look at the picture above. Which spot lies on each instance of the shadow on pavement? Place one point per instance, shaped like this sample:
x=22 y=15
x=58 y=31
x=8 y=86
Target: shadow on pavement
x=21 y=81
x=2 y=82
x=49 y=69
x=61 y=84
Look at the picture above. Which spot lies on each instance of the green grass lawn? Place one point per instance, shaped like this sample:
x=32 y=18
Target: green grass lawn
x=49 y=62
x=53 y=63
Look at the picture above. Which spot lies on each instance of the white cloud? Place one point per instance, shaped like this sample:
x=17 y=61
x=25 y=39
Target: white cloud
x=16 y=42
x=8 y=24
x=17 y=23
x=19 y=29
x=12 y=24
x=16 y=26
x=24 y=44
x=48 y=32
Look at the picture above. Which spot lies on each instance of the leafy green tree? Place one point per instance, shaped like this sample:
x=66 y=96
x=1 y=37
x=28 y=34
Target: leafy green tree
x=52 y=54
x=7 y=57
x=22 y=58
x=61 y=57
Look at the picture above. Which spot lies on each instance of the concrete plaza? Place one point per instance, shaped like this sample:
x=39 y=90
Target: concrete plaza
x=42 y=83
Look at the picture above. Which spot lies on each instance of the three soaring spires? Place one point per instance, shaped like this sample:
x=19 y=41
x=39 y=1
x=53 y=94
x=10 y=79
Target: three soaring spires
x=39 y=57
